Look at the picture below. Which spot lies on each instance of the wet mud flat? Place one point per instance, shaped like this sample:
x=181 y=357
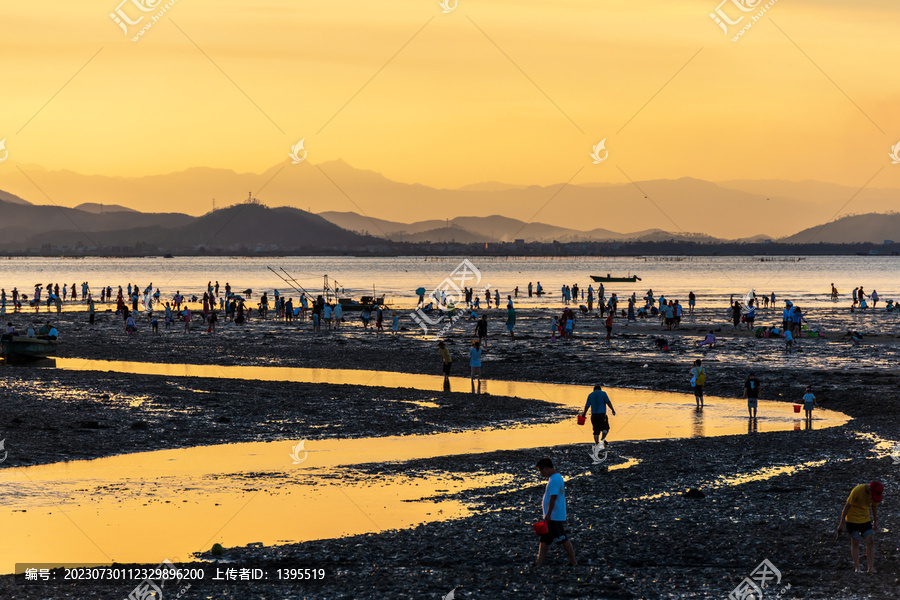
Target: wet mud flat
x=630 y=543
x=532 y=354
x=831 y=364
x=635 y=533
x=52 y=415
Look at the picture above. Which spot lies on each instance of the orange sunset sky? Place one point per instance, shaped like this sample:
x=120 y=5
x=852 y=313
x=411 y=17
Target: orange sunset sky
x=493 y=90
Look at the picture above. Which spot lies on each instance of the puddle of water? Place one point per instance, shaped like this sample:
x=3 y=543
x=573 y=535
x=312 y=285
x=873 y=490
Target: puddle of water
x=742 y=478
x=148 y=506
x=641 y=414
x=137 y=519
x=882 y=447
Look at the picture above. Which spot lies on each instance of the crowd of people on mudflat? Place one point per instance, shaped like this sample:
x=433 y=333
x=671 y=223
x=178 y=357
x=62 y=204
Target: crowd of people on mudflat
x=132 y=302
x=136 y=305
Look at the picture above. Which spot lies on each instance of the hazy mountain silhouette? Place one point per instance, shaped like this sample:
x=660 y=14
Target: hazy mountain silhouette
x=250 y=227
x=869 y=200
x=441 y=235
x=97 y=209
x=19 y=222
x=491 y=229
x=7 y=197
x=257 y=225
x=731 y=209
x=243 y=227
x=875 y=228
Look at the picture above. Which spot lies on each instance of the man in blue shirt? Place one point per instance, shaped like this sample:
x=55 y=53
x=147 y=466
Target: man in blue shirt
x=597 y=401
x=554 y=509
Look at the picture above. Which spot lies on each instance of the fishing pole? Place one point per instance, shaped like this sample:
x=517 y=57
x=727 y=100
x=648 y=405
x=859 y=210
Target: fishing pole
x=293 y=280
x=297 y=288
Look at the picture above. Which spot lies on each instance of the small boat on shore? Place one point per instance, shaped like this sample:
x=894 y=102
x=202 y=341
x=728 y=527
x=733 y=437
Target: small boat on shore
x=610 y=279
x=370 y=302
x=26 y=347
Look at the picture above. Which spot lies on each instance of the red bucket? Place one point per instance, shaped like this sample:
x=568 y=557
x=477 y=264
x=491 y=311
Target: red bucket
x=581 y=419
x=541 y=528
x=797 y=408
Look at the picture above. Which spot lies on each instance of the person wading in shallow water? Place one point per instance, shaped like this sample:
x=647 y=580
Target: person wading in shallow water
x=475 y=364
x=554 y=508
x=446 y=364
x=751 y=393
x=698 y=380
x=597 y=401
x=856 y=517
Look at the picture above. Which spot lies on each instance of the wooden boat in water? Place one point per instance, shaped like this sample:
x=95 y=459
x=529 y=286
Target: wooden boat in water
x=610 y=279
x=26 y=347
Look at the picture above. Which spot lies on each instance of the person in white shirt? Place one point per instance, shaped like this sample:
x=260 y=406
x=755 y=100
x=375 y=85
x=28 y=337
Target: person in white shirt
x=553 y=506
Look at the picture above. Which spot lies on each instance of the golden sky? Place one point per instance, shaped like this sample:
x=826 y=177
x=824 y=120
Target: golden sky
x=498 y=90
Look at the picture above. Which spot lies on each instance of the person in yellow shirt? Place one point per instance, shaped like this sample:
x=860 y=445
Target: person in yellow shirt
x=855 y=515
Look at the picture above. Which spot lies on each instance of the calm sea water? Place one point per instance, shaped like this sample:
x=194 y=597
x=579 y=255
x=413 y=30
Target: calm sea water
x=713 y=279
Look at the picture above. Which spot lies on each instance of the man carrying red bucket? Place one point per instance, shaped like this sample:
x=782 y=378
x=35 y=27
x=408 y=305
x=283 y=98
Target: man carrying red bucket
x=597 y=401
x=551 y=529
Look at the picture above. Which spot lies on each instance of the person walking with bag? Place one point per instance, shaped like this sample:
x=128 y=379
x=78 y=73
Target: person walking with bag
x=554 y=509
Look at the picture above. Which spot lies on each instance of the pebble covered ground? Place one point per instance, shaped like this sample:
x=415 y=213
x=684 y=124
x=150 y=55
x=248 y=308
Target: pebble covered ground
x=774 y=496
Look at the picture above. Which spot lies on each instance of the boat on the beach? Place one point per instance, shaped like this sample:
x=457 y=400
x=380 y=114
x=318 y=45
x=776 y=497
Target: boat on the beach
x=26 y=347
x=610 y=279
x=370 y=302
x=331 y=290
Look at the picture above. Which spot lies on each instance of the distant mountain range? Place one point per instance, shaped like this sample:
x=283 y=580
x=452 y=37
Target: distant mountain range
x=494 y=228
x=738 y=209
x=27 y=224
x=252 y=227
x=875 y=228
x=239 y=228
x=99 y=209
